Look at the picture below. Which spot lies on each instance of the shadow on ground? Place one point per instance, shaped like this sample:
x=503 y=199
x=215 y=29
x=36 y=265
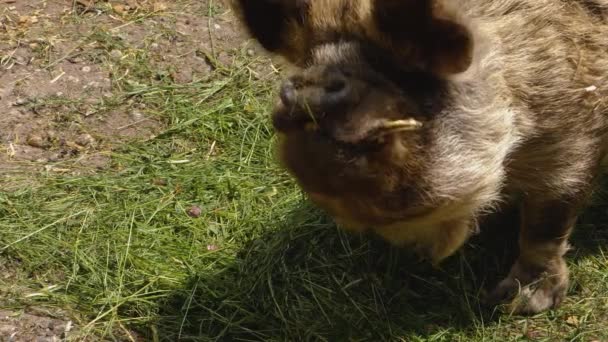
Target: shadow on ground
x=308 y=281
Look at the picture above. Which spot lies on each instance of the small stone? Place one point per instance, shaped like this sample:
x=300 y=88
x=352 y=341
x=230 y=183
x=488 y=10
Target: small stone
x=20 y=101
x=159 y=182
x=6 y=330
x=182 y=77
x=195 y=211
x=591 y=89
x=75 y=60
x=54 y=157
x=37 y=141
x=217 y=27
x=159 y=6
x=573 y=321
x=85 y=140
x=86 y=69
x=119 y=8
x=250 y=52
x=92 y=85
x=116 y=54
x=136 y=115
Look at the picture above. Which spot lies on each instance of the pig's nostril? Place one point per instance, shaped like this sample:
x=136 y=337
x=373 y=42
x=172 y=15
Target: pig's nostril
x=335 y=86
x=288 y=93
x=337 y=93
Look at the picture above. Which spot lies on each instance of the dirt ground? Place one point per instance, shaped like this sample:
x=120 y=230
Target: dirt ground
x=63 y=62
x=64 y=107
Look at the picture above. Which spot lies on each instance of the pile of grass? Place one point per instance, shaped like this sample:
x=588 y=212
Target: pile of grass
x=119 y=251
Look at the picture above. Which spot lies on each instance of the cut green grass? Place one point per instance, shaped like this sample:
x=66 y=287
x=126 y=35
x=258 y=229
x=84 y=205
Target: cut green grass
x=119 y=251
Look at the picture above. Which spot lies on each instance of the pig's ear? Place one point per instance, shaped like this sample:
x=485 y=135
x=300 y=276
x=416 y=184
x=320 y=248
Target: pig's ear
x=278 y=25
x=426 y=32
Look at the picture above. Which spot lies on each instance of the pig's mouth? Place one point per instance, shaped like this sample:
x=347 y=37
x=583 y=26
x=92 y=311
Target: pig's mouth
x=340 y=129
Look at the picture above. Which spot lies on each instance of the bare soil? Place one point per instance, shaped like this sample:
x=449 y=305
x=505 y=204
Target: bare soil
x=62 y=64
x=63 y=108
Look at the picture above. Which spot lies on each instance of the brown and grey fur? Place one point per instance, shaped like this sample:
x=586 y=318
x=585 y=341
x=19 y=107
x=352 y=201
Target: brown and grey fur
x=512 y=96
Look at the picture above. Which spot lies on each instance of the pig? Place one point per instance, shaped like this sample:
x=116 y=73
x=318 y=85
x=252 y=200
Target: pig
x=412 y=119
